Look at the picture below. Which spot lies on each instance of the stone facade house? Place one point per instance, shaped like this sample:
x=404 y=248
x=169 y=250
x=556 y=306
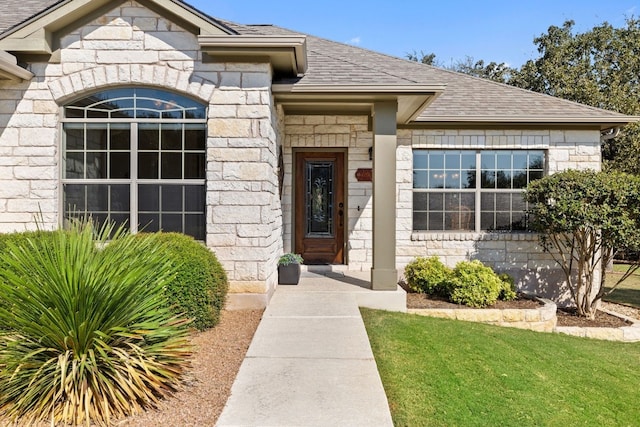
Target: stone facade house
x=258 y=140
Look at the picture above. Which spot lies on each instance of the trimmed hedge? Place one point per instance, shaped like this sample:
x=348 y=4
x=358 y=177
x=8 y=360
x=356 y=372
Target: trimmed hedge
x=470 y=283
x=428 y=275
x=198 y=290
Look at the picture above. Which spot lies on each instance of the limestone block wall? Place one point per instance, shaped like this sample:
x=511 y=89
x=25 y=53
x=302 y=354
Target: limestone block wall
x=515 y=253
x=133 y=46
x=315 y=132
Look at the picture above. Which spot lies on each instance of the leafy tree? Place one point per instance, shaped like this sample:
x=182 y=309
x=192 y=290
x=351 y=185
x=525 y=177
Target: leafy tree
x=424 y=58
x=599 y=68
x=492 y=71
x=583 y=218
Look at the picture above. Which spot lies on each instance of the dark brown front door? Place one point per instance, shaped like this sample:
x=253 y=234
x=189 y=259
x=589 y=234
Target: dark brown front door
x=319 y=207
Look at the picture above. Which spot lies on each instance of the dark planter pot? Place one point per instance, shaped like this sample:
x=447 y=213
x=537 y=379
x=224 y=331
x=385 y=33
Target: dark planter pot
x=289 y=274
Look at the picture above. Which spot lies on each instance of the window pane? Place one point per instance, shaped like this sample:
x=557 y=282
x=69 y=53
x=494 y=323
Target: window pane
x=194 y=225
x=74 y=198
x=452 y=161
x=120 y=198
x=468 y=160
x=149 y=198
x=468 y=179
x=120 y=165
x=436 y=179
x=420 y=160
x=171 y=222
x=487 y=201
x=503 y=201
x=148 y=136
x=488 y=160
x=436 y=160
x=536 y=160
x=119 y=219
x=172 y=198
x=73 y=113
x=120 y=136
x=194 y=166
x=503 y=220
x=533 y=175
x=503 y=179
x=503 y=160
x=420 y=221
x=518 y=221
x=171 y=136
x=420 y=179
x=148 y=165
x=520 y=161
x=96 y=165
x=519 y=178
x=195 y=137
x=194 y=198
x=488 y=179
x=452 y=179
x=98 y=198
x=487 y=221
x=436 y=201
x=74 y=166
x=420 y=201
x=436 y=221
x=171 y=166
x=74 y=136
x=149 y=223
x=96 y=137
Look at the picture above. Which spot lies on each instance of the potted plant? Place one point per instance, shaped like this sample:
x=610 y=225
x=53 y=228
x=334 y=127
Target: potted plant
x=289 y=269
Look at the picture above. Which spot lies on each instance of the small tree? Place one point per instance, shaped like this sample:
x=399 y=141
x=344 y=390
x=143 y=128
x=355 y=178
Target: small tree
x=583 y=218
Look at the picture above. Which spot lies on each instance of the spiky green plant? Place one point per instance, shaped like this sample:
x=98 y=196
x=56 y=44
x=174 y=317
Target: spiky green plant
x=87 y=337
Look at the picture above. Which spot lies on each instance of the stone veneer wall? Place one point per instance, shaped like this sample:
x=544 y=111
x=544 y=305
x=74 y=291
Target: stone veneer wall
x=515 y=253
x=132 y=45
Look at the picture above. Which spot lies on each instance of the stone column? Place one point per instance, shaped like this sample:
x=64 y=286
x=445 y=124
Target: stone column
x=384 y=275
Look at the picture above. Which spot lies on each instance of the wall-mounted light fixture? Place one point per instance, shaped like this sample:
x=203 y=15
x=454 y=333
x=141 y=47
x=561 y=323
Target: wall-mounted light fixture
x=370 y=153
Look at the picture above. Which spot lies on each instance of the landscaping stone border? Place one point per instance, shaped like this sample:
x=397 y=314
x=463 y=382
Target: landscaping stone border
x=542 y=319
x=629 y=333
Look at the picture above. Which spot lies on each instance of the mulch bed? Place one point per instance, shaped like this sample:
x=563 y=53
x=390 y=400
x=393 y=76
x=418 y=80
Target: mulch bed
x=566 y=317
x=415 y=300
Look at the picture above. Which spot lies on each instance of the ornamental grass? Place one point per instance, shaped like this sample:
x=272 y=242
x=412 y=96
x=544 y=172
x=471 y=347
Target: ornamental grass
x=85 y=334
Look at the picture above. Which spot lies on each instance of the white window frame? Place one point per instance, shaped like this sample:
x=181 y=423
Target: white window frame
x=134 y=182
x=478 y=191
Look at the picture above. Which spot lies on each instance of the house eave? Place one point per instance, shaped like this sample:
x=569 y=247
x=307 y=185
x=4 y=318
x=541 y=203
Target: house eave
x=300 y=99
x=287 y=54
x=600 y=122
x=10 y=70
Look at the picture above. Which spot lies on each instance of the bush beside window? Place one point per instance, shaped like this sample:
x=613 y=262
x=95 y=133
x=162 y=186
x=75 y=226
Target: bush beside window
x=470 y=283
x=198 y=289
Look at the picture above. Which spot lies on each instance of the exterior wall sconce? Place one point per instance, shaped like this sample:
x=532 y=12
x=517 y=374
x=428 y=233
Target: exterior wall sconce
x=370 y=153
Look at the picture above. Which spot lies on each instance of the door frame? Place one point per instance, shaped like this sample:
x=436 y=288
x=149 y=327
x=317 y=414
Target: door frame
x=294 y=183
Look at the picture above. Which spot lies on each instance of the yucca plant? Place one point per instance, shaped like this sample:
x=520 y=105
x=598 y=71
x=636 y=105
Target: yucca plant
x=86 y=335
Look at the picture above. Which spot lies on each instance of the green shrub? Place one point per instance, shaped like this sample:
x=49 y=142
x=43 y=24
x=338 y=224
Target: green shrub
x=474 y=284
x=88 y=337
x=428 y=275
x=199 y=288
x=508 y=290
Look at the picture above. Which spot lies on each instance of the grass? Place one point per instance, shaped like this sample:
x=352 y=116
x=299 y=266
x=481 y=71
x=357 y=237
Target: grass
x=440 y=372
x=628 y=292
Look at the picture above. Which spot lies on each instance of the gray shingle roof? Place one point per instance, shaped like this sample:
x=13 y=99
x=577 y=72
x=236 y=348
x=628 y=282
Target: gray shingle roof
x=466 y=98
x=15 y=12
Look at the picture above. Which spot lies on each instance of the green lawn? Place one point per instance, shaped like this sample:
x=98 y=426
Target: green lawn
x=440 y=372
x=628 y=292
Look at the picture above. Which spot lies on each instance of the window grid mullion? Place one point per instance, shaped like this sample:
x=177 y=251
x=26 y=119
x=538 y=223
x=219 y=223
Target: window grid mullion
x=133 y=186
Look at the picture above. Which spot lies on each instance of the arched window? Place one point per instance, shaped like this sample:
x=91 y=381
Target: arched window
x=136 y=156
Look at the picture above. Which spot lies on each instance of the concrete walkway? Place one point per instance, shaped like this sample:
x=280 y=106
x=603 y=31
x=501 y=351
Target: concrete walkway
x=310 y=363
